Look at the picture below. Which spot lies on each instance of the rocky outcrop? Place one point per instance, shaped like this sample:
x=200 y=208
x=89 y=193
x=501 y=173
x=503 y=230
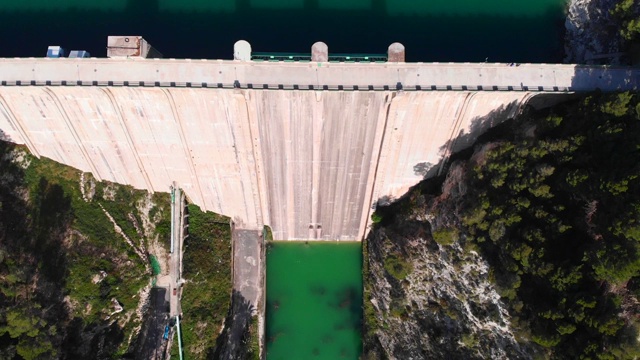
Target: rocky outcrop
x=592 y=33
x=437 y=302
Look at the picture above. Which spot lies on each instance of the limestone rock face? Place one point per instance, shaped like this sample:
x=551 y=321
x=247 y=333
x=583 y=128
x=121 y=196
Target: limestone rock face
x=591 y=33
x=445 y=307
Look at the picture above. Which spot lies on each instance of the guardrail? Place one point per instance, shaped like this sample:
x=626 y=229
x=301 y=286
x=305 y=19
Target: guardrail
x=238 y=85
x=333 y=58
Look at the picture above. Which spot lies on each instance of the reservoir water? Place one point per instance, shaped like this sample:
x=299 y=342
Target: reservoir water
x=314 y=301
x=431 y=30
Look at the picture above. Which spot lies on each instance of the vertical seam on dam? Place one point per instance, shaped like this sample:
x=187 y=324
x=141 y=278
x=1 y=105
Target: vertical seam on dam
x=316 y=152
x=289 y=170
x=74 y=133
x=364 y=222
x=183 y=141
x=238 y=132
x=256 y=149
x=128 y=137
x=18 y=126
x=455 y=130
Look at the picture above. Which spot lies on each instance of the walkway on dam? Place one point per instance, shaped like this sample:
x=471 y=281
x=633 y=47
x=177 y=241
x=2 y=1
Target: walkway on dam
x=247 y=266
x=316 y=75
x=248 y=276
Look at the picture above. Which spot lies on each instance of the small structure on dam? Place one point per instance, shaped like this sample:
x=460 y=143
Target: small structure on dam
x=242 y=50
x=319 y=52
x=306 y=147
x=396 y=52
x=130 y=47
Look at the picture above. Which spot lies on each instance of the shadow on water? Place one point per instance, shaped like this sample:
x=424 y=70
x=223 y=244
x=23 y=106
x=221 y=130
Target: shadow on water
x=318 y=290
x=272 y=333
x=348 y=300
x=199 y=30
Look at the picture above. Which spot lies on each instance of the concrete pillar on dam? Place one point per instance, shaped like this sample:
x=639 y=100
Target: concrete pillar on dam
x=395 y=53
x=319 y=52
x=242 y=50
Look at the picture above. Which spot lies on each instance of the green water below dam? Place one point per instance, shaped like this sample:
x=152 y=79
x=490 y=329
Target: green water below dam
x=314 y=301
x=431 y=30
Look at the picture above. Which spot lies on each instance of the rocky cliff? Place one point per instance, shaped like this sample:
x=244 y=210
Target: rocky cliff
x=432 y=301
x=594 y=31
x=427 y=300
x=524 y=248
x=74 y=260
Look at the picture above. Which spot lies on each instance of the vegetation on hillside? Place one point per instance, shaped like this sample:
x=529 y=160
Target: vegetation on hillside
x=626 y=13
x=70 y=283
x=552 y=202
x=557 y=215
x=206 y=295
x=251 y=340
x=625 y=19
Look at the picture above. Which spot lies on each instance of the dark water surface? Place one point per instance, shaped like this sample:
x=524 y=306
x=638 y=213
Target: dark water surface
x=432 y=30
x=314 y=301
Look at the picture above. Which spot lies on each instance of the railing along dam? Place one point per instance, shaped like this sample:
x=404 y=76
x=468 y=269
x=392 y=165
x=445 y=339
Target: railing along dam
x=307 y=148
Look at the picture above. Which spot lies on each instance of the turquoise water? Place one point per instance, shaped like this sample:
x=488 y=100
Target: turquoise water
x=314 y=301
x=432 y=30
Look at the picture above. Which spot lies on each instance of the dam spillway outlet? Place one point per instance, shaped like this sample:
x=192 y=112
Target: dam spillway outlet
x=314 y=300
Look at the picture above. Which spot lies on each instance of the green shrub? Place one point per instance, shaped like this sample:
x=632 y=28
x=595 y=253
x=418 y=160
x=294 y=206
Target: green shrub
x=445 y=236
x=267 y=233
x=397 y=267
x=553 y=121
x=207 y=294
x=253 y=350
x=618 y=106
x=376 y=218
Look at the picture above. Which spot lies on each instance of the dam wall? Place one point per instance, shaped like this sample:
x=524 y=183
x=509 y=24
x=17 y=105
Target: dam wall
x=309 y=148
x=311 y=164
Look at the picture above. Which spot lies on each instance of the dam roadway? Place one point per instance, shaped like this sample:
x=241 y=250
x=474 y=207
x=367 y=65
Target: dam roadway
x=307 y=148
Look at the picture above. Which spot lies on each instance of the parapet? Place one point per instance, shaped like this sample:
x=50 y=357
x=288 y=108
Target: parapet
x=130 y=46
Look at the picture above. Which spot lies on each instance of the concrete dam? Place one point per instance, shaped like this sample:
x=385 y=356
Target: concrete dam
x=308 y=148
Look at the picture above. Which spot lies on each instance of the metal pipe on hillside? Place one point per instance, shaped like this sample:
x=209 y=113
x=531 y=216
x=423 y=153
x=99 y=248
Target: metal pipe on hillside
x=179 y=336
x=173 y=211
